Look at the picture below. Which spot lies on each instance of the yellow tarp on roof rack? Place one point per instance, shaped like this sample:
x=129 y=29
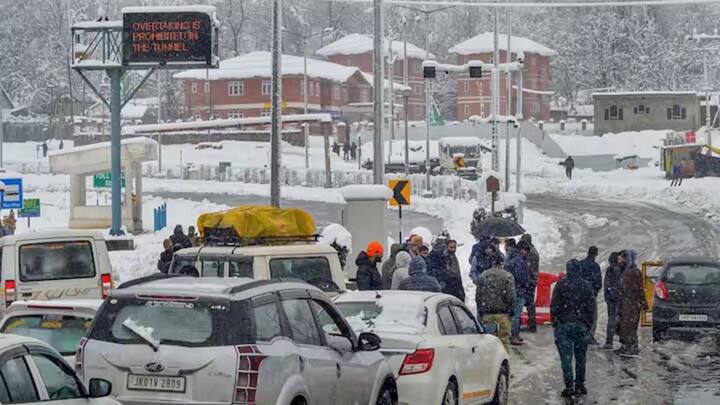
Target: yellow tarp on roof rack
x=259 y=221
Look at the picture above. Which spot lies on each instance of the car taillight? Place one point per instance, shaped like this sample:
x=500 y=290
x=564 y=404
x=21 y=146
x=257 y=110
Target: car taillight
x=10 y=292
x=105 y=284
x=418 y=362
x=79 y=356
x=248 y=369
x=661 y=291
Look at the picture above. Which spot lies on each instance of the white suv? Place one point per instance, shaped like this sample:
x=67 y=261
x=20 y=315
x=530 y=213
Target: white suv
x=184 y=340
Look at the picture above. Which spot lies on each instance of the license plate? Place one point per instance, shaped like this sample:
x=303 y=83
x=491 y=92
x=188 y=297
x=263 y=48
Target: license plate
x=155 y=383
x=693 y=318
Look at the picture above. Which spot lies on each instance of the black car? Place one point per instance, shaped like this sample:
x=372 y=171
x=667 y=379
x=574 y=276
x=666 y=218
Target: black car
x=687 y=298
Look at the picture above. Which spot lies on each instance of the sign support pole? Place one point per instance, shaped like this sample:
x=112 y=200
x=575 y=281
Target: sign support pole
x=115 y=141
x=400 y=223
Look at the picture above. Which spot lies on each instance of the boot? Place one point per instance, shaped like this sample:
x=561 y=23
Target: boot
x=580 y=389
x=532 y=328
x=568 y=392
x=515 y=341
x=607 y=346
x=622 y=350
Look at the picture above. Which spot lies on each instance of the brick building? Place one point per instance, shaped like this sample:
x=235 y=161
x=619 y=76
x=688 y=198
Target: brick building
x=475 y=95
x=357 y=50
x=241 y=87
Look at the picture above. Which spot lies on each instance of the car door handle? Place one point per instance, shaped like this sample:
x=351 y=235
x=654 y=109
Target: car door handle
x=338 y=369
x=302 y=363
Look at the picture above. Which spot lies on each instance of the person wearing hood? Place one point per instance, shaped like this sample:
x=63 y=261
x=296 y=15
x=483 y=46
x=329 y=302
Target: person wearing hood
x=435 y=260
x=630 y=302
x=166 y=256
x=179 y=238
x=451 y=278
x=368 y=277
x=533 y=270
x=573 y=311
x=611 y=284
x=193 y=236
x=496 y=299
x=413 y=245
x=517 y=265
x=402 y=271
x=388 y=268
x=590 y=271
x=418 y=279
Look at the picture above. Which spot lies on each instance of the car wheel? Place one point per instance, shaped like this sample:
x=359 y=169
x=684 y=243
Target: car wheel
x=451 y=396
x=387 y=395
x=502 y=389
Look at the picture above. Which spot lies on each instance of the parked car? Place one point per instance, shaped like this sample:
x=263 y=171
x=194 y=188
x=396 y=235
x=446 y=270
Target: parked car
x=687 y=298
x=437 y=350
x=314 y=263
x=34 y=373
x=186 y=340
x=61 y=324
x=54 y=265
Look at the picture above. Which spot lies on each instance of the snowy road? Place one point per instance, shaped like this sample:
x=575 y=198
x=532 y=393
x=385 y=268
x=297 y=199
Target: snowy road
x=667 y=373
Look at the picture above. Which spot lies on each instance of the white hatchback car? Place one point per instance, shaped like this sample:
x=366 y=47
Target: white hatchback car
x=32 y=372
x=213 y=341
x=439 y=353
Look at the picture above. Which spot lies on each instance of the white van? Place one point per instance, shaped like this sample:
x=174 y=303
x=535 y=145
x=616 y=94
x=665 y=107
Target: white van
x=316 y=264
x=54 y=265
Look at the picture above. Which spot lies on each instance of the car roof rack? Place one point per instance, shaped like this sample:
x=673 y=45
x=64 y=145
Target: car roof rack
x=147 y=279
x=237 y=241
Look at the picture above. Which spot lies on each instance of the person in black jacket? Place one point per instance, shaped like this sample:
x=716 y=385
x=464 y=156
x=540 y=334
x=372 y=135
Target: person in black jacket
x=179 y=238
x=368 y=277
x=612 y=278
x=166 y=256
x=573 y=311
x=418 y=279
x=590 y=271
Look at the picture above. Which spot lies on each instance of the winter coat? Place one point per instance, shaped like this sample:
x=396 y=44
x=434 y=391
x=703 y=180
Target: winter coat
x=451 y=279
x=402 y=261
x=479 y=260
x=590 y=271
x=612 y=281
x=495 y=291
x=573 y=298
x=388 y=268
x=630 y=297
x=569 y=163
x=418 y=279
x=179 y=238
x=517 y=265
x=436 y=263
x=165 y=259
x=368 y=277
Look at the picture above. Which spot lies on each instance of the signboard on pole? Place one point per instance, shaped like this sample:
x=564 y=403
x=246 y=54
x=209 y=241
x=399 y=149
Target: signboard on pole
x=401 y=196
x=104 y=180
x=12 y=194
x=174 y=36
x=30 y=208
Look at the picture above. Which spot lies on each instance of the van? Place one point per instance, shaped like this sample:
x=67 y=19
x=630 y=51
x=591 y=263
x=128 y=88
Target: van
x=54 y=265
x=316 y=264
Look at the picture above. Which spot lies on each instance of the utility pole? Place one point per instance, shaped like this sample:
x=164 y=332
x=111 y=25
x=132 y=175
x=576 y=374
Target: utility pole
x=378 y=85
x=428 y=99
x=391 y=72
x=495 y=94
x=305 y=78
x=406 y=104
x=508 y=101
x=159 y=120
x=276 y=124
x=519 y=117
x=115 y=150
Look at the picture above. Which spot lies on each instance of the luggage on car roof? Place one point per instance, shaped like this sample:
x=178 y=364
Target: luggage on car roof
x=256 y=222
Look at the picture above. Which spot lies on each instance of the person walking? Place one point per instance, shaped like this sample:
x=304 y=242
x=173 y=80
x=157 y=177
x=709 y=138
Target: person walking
x=631 y=301
x=590 y=271
x=610 y=288
x=572 y=309
x=179 y=238
x=517 y=265
x=166 y=256
x=346 y=151
x=569 y=166
x=451 y=280
x=496 y=298
x=353 y=151
x=676 y=174
x=44 y=148
x=402 y=271
x=418 y=279
x=483 y=256
x=533 y=270
x=368 y=277
x=388 y=268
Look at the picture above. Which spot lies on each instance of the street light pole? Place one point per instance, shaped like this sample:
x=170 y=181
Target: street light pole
x=495 y=94
x=276 y=124
x=391 y=72
x=427 y=111
x=406 y=104
x=378 y=85
x=508 y=108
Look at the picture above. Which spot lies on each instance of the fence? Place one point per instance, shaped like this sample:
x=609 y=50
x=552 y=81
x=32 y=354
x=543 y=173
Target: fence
x=160 y=217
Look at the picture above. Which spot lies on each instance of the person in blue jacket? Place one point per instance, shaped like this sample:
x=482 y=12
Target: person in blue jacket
x=517 y=265
x=590 y=272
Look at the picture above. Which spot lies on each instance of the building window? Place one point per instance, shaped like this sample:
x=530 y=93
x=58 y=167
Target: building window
x=206 y=87
x=214 y=116
x=235 y=114
x=265 y=113
x=197 y=116
x=419 y=89
x=336 y=92
x=419 y=110
x=536 y=108
x=467 y=86
x=193 y=87
x=467 y=110
x=236 y=88
x=317 y=89
x=344 y=94
x=613 y=113
x=302 y=88
x=266 y=87
x=349 y=60
x=364 y=96
x=676 y=113
x=641 y=109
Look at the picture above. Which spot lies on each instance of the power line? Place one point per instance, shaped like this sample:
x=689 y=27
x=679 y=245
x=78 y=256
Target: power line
x=574 y=4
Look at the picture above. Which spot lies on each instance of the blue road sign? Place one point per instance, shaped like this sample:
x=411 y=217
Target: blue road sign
x=12 y=195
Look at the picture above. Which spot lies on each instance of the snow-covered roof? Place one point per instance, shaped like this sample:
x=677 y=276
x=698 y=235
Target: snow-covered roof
x=645 y=93
x=259 y=64
x=97 y=25
x=483 y=43
x=171 y=9
x=355 y=44
x=460 y=141
x=361 y=192
x=134 y=111
x=397 y=86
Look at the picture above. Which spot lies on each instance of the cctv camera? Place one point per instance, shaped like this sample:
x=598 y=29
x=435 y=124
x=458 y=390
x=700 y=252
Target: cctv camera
x=521 y=57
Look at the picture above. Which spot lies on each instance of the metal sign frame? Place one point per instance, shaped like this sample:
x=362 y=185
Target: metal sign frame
x=17 y=200
x=30 y=212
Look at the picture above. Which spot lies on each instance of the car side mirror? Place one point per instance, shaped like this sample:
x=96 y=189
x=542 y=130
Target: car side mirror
x=339 y=343
x=491 y=328
x=100 y=388
x=368 y=342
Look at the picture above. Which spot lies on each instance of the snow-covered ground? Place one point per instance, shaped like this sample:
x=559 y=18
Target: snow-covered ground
x=644 y=144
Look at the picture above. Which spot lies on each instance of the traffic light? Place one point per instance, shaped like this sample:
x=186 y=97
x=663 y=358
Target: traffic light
x=476 y=71
x=429 y=72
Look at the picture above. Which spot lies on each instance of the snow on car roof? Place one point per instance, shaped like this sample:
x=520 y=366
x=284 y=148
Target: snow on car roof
x=401 y=311
x=258 y=64
x=483 y=43
x=355 y=44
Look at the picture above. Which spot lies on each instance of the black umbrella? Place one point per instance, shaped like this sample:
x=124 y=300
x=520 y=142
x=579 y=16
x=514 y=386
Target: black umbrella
x=500 y=228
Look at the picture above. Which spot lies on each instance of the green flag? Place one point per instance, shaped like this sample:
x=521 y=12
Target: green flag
x=436 y=118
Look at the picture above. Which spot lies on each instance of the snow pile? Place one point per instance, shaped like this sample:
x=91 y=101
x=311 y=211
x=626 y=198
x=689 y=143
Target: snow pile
x=355 y=44
x=594 y=222
x=416 y=151
x=361 y=192
x=644 y=144
x=336 y=233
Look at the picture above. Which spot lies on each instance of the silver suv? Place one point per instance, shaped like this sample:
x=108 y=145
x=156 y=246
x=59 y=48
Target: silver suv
x=183 y=340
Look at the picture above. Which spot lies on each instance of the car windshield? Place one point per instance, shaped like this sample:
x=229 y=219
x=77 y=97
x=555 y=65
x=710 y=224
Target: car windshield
x=693 y=274
x=387 y=315
x=56 y=261
x=62 y=332
x=313 y=270
x=180 y=261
